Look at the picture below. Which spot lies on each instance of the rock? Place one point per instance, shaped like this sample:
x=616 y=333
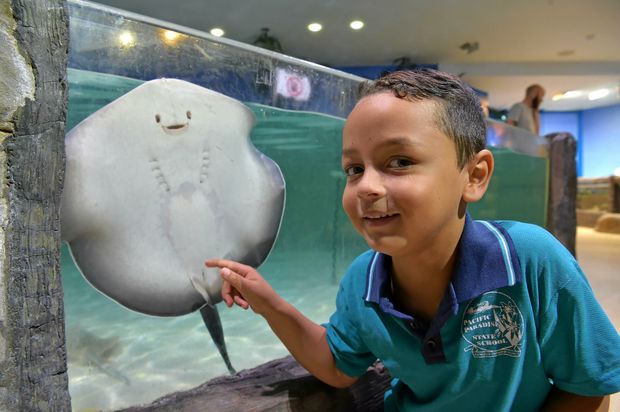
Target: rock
x=279 y=385
x=608 y=223
x=588 y=218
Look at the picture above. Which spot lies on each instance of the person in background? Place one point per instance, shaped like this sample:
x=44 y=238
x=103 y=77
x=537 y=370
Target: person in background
x=525 y=114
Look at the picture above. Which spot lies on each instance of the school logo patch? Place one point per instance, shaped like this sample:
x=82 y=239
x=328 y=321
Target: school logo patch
x=493 y=326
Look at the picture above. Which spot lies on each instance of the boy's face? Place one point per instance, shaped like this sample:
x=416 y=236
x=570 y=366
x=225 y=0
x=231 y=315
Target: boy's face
x=404 y=186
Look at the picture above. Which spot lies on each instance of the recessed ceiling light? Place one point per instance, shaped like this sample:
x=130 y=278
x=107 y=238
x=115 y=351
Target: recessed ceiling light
x=356 y=24
x=598 y=94
x=314 y=27
x=572 y=94
x=170 y=36
x=217 y=32
x=126 y=39
x=558 y=96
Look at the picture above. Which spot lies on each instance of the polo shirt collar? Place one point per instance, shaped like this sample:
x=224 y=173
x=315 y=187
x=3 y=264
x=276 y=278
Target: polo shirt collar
x=486 y=260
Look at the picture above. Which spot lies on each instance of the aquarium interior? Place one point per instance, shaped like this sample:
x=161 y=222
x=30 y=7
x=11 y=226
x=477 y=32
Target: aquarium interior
x=119 y=358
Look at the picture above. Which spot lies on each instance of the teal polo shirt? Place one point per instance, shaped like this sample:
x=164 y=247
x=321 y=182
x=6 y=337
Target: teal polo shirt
x=517 y=317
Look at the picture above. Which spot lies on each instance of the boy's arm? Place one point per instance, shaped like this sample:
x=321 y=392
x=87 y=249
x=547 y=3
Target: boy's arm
x=561 y=401
x=304 y=339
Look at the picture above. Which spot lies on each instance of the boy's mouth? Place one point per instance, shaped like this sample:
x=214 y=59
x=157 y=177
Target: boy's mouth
x=379 y=218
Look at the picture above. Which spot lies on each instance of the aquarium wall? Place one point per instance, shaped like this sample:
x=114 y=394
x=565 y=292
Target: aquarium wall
x=119 y=358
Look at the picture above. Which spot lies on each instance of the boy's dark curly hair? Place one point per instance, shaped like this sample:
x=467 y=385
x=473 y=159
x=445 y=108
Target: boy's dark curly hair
x=459 y=114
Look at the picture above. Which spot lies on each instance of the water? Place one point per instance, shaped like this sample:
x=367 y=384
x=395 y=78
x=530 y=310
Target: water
x=120 y=358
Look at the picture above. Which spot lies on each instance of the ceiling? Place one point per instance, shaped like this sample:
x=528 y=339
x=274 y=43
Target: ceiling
x=561 y=44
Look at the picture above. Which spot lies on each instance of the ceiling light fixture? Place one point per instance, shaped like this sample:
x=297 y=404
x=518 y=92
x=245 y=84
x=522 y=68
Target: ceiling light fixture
x=314 y=27
x=557 y=96
x=571 y=94
x=170 y=36
x=126 y=39
x=217 y=32
x=356 y=24
x=469 y=47
x=598 y=94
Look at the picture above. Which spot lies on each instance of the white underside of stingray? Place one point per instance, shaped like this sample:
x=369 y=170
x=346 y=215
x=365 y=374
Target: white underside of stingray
x=160 y=180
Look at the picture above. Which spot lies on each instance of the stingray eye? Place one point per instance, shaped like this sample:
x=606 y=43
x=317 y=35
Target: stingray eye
x=157 y=118
x=189 y=114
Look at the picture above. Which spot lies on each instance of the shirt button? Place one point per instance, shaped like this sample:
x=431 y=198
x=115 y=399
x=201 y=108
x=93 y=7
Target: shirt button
x=413 y=325
x=431 y=345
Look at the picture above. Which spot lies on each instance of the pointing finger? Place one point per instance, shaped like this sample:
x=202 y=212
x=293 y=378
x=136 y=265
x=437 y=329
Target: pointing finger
x=237 y=267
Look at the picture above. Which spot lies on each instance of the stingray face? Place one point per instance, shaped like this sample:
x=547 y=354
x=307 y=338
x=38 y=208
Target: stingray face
x=173 y=126
x=160 y=180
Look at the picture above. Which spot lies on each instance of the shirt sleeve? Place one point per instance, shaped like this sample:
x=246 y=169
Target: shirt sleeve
x=515 y=112
x=580 y=346
x=350 y=352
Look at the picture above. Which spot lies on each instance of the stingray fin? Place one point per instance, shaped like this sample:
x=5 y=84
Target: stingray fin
x=199 y=282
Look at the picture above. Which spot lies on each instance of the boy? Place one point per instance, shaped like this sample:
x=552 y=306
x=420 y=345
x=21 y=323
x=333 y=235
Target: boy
x=466 y=315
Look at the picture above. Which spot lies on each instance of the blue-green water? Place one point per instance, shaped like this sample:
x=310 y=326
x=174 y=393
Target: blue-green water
x=153 y=356
x=120 y=358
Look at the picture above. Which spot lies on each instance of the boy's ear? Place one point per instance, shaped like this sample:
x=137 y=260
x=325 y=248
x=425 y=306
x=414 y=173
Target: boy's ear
x=479 y=169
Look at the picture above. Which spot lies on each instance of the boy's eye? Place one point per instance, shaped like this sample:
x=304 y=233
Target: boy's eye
x=400 y=163
x=353 y=170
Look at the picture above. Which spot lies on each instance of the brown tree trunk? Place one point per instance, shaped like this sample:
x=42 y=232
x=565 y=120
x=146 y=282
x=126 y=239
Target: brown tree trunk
x=33 y=105
x=562 y=209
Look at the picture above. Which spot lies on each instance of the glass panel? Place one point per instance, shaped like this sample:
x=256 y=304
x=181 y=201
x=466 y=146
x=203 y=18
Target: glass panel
x=107 y=40
x=501 y=134
x=518 y=189
x=119 y=358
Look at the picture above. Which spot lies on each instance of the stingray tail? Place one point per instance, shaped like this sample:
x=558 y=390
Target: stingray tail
x=211 y=318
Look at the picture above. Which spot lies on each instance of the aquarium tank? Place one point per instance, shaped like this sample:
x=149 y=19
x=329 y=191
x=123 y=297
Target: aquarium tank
x=118 y=358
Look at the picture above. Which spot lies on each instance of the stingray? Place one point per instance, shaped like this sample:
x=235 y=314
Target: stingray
x=156 y=182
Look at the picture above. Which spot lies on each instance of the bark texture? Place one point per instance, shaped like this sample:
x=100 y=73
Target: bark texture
x=562 y=208
x=33 y=107
x=281 y=385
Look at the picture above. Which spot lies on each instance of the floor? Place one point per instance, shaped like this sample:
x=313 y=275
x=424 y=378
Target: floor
x=599 y=256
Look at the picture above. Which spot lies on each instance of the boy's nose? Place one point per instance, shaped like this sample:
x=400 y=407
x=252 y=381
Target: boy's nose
x=370 y=185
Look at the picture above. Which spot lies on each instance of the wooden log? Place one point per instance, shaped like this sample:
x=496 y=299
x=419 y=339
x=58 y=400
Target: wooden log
x=33 y=105
x=279 y=385
x=614 y=194
x=562 y=205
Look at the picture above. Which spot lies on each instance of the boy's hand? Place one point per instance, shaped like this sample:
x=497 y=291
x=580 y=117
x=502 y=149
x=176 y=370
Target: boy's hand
x=305 y=339
x=244 y=286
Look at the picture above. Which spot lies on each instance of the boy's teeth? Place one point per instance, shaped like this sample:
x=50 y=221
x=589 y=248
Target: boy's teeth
x=378 y=217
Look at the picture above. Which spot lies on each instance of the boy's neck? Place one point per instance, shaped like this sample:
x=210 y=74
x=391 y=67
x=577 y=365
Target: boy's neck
x=419 y=282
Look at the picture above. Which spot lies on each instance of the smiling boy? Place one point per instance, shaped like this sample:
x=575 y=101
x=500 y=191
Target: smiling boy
x=466 y=315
